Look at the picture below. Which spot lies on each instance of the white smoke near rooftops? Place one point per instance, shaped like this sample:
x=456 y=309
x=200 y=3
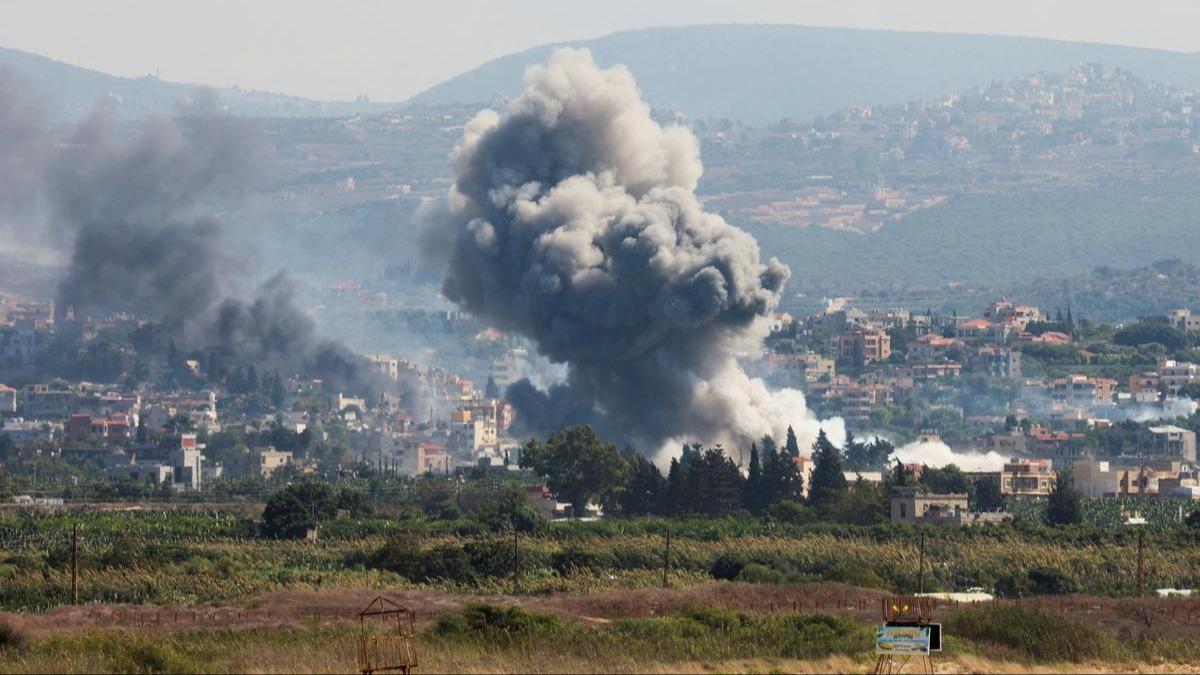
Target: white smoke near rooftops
x=936 y=454
x=573 y=221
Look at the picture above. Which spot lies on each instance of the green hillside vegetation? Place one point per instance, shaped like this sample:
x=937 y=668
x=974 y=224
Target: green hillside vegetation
x=1107 y=294
x=1001 y=239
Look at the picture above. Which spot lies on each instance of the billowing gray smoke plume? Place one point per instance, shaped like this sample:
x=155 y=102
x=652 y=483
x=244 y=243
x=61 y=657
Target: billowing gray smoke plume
x=136 y=208
x=141 y=242
x=574 y=221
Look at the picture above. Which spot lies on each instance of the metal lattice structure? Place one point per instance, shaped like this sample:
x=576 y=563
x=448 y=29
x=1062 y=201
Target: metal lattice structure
x=385 y=640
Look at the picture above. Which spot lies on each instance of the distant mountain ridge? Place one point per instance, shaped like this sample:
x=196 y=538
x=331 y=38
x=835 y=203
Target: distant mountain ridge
x=71 y=92
x=760 y=74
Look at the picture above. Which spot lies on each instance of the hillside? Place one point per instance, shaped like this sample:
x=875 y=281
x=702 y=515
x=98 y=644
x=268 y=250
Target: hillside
x=1110 y=295
x=1000 y=239
x=760 y=74
x=71 y=92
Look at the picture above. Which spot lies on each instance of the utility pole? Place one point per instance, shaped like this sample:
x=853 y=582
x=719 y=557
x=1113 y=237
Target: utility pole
x=921 y=565
x=74 y=563
x=667 y=559
x=516 y=564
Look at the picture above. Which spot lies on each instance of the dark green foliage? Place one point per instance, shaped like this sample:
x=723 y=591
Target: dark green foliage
x=573 y=559
x=354 y=502
x=1036 y=634
x=945 y=480
x=509 y=509
x=866 y=456
x=492 y=624
x=711 y=484
x=1148 y=331
x=828 y=482
x=727 y=567
x=406 y=557
x=793 y=447
x=290 y=512
x=1037 y=580
x=793 y=513
x=986 y=495
x=862 y=504
x=646 y=491
x=1063 y=505
x=577 y=465
x=1193 y=519
x=781 y=478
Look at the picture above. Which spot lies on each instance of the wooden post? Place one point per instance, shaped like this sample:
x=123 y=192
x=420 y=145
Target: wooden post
x=75 y=564
x=516 y=564
x=921 y=565
x=667 y=559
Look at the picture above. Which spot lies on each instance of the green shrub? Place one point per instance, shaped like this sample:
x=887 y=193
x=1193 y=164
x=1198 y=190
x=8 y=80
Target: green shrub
x=1038 y=580
x=1039 y=635
x=727 y=567
x=492 y=624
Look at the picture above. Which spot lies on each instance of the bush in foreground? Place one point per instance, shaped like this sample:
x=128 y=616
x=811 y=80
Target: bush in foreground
x=1036 y=634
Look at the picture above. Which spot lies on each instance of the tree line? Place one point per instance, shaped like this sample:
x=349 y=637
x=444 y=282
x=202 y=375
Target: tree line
x=581 y=469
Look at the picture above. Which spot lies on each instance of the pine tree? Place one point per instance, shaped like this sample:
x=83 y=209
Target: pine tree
x=793 y=448
x=491 y=390
x=712 y=484
x=752 y=492
x=828 y=482
x=781 y=479
x=645 y=492
x=278 y=396
x=1063 y=504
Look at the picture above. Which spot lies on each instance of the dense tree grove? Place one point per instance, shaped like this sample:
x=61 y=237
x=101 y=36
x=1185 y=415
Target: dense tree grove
x=706 y=481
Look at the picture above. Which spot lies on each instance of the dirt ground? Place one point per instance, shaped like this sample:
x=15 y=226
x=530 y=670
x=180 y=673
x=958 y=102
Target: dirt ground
x=1124 y=618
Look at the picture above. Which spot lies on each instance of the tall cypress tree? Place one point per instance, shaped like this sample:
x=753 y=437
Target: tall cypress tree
x=752 y=491
x=828 y=482
x=793 y=448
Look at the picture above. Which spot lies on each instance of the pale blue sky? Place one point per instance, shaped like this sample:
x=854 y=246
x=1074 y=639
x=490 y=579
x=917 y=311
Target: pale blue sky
x=391 y=50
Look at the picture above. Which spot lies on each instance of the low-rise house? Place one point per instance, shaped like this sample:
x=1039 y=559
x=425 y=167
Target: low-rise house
x=1184 y=321
x=265 y=461
x=1168 y=441
x=1027 y=477
x=912 y=506
x=177 y=460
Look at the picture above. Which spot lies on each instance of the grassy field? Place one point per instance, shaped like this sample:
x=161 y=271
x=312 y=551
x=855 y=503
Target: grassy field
x=155 y=558
x=485 y=638
x=200 y=592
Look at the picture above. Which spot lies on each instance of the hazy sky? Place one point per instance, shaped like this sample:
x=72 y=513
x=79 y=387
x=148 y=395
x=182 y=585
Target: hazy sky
x=391 y=50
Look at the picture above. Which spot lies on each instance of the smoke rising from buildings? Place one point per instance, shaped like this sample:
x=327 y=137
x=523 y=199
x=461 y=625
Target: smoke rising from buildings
x=137 y=211
x=574 y=221
x=937 y=454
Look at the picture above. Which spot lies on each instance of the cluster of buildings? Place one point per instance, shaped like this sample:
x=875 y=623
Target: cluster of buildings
x=1079 y=125
x=864 y=365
